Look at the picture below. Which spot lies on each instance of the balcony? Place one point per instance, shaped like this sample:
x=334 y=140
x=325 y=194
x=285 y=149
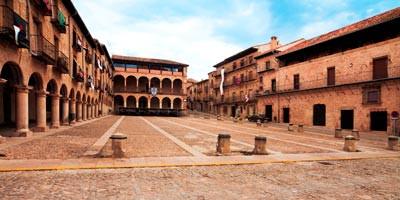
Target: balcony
x=43 y=49
x=8 y=18
x=88 y=57
x=90 y=82
x=76 y=42
x=44 y=6
x=339 y=80
x=62 y=63
x=78 y=76
x=58 y=19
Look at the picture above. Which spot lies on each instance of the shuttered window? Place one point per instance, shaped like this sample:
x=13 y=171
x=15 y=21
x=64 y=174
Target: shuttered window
x=331 y=76
x=380 y=68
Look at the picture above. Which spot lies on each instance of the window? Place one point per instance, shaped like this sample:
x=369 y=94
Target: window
x=372 y=97
x=371 y=94
x=241 y=77
x=234 y=65
x=250 y=75
x=296 y=81
x=234 y=80
x=331 y=76
x=268 y=65
x=261 y=79
x=380 y=68
x=273 y=85
x=134 y=66
x=250 y=59
x=242 y=62
x=119 y=65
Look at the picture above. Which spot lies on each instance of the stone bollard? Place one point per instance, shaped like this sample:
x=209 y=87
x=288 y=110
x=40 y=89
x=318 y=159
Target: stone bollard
x=220 y=118
x=118 y=145
x=260 y=144
x=356 y=134
x=350 y=144
x=300 y=128
x=393 y=143
x=338 y=133
x=259 y=122
x=290 y=127
x=224 y=143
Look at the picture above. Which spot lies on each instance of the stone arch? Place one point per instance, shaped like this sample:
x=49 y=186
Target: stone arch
x=35 y=84
x=166 y=103
x=177 y=103
x=118 y=102
x=119 y=83
x=10 y=77
x=131 y=102
x=84 y=98
x=155 y=82
x=154 y=102
x=78 y=96
x=178 y=86
x=64 y=91
x=166 y=85
x=131 y=84
x=143 y=102
x=143 y=84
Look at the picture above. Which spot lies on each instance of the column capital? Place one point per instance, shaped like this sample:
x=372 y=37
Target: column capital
x=22 y=89
x=41 y=93
x=72 y=100
x=64 y=98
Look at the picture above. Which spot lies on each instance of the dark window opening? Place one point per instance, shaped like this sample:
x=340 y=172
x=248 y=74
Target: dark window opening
x=273 y=85
x=380 y=68
x=296 y=81
x=331 y=76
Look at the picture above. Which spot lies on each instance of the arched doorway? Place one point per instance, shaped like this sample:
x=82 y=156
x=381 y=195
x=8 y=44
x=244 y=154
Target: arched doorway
x=178 y=86
x=88 y=108
x=143 y=102
x=177 y=103
x=10 y=77
x=37 y=101
x=131 y=102
x=78 y=107
x=131 y=82
x=155 y=83
x=166 y=103
x=166 y=86
x=72 y=107
x=154 y=102
x=143 y=85
x=319 y=115
x=118 y=103
x=84 y=107
x=119 y=83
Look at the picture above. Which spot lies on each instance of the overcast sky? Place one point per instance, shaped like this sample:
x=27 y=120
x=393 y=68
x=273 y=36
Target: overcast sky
x=202 y=33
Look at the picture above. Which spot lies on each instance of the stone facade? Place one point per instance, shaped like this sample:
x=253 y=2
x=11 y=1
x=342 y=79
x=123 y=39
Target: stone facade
x=136 y=78
x=55 y=73
x=348 y=78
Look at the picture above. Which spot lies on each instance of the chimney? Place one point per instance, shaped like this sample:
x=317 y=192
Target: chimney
x=274 y=42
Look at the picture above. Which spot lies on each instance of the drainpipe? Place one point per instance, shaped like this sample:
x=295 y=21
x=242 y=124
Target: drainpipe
x=28 y=9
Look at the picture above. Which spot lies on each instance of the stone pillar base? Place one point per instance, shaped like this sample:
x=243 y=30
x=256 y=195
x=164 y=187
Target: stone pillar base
x=260 y=143
x=350 y=144
x=72 y=122
x=41 y=129
x=290 y=127
x=65 y=124
x=79 y=120
x=338 y=133
x=224 y=144
x=54 y=126
x=22 y=133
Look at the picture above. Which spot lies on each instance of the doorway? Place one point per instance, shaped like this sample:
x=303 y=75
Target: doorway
x=286 y=115
x=268 y=112
x=378 y=121
x=319 y=115
x=233 y=111
x=347 y=119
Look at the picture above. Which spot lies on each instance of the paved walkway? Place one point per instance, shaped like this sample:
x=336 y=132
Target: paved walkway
x=96 y=163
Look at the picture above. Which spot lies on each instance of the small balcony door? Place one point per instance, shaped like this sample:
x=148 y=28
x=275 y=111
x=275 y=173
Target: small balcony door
x=380 y=68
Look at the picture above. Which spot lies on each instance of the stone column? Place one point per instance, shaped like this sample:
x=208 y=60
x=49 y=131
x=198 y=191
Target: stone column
x=89 y=111
x=84 y=111
x=65 y=112
x=78 y=111
x=72 y=110
x=21 y=112
x=93 y=111
x=96 y=110
x=148 y=103
x=41 y=112
x=137 y=103
x=55 y=111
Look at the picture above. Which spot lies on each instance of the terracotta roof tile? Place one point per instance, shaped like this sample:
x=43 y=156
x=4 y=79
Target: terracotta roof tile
x=377 y=19
x=147 y=60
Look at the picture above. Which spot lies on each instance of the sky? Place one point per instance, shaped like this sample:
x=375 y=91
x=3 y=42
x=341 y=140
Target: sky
x=202 y=33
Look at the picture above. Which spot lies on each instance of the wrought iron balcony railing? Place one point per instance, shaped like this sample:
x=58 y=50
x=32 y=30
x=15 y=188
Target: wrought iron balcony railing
x=10 y=24
x=62 y=63
x=58 y=19
x=43 y=49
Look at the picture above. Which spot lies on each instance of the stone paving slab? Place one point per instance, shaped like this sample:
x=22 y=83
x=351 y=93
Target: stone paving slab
x=95 y=163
